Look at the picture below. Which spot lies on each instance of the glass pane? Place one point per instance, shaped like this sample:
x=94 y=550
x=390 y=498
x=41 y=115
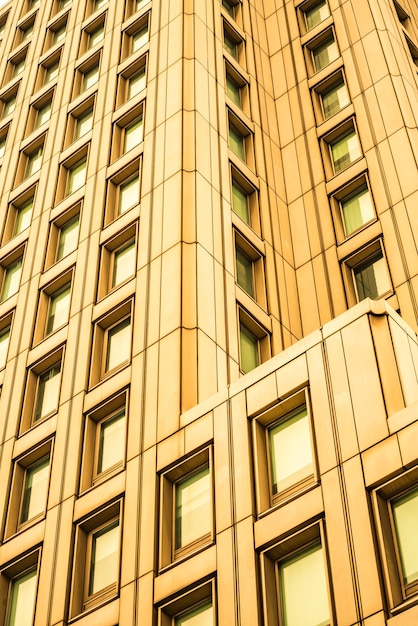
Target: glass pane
x=128 y=194
x=233 y=90
x=34 y=163
x=335 y=99
x=27 y=32
x=2 y=146
x=23 y=217
x=405 y=513
x=303 y=576
x=4 y=344
x=249 y=350
x=104 y=558
x=99 y=4
x=96 y=36
x=230 y=45
x=59 y=309
x=236 y=142
x=357 y=210
x=76 y=177
x=90 y=77
x=9 y=106
x=290 y=451
x=11 y=280
x=118 y=344
x=59 y=34
x=35 y=491
x=84 y=123
x=51 y=72
x=324 y=54
x=372 y=278
x=136 y=83
x=133 y=135
x=199 y=616
x=124 y=264
x=44 y=114
x=193 y=508
x=229 y=7
x=140 y=38
x=48 y=393
x=68 y=238
x=345 y=150
x=112 y=442
x=22 y=600
x=317 y=14
x=245 y=277
x=240 y=203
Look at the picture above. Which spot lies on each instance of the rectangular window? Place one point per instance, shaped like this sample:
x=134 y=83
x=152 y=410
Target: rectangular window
x=4 y=344
x=193 y=512
x=104 y=560
x=140 y=38
x=51 y=72
x=47 y=394
x=133 y=135
x=137 y=82
x=233 y=90
x=90 y=78
x=9 y=106
x=22 y=599
x=201 y=615
x=96 y=35
x=111 y=442
x=128 y=194
x=84 y=123
x=245 y=273
x=372 y=277
x=76 y=176
x=3 y=145
x=345 y=150
x=316 y=14
x=324 y=53
x=302 y=576
x=290 y=446
x=68 y=238
x=34 y=161
x=240 y=202
x=334 y=98
x=23 y=217
x=35 y=490
x=43 y=114
x=11 y=280
x=236 y=142
x=231 y=45
x=405 y=515
x=357 y=209
x=118 y=349
x=123 y=263
x=59 y=309
x=249 y=349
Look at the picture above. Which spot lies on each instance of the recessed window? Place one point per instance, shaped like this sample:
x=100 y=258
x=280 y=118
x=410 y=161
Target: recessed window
x=96 y=35
x=47 y=393
x=26 y=31
x=43 y=114
x=104 y=558
x=240 y=202
x=371 y=277
x=128 y=194
x=334 y=98
x=324 y=53
x=137 y=82
x=76 y=176
x=4 y=344
x=249 y=349
x=316 y=14
x=118 y=345
x=140 y=37
x=133 y=134
x=405 y=515
x=22 y=597
x=18 y=67
x=63 y=4
x=110 y=445
x=51 y=72
x=236 y=142
x=229 y=7
x=345 y=150
x=68 y=238
x=245 y=271
x=84 y=123
x=201 y=615
x=233 y=90
x=23 y=217
x=35 y=490
x=90 y=77
x=59 y=33
x=303 y=576
x=357 y=209
x=98 y=4
x=123 y=263
x=11 y=279
x=9 y=106
x=232 y=44
x=34 y=162
x=3 y=145
x=193 y=518
x=59 y=308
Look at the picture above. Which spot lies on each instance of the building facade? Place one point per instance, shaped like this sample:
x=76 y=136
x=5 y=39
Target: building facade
x=208 y=307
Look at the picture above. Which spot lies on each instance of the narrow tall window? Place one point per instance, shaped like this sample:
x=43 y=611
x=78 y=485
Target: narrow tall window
x=137 y=83
x=4 y=345
x=133 y=134
x=68 y=238
x=47 y=393
x=23 y=217
x=290 y=446
x=22 y=599
x=249 y=350
x=104 y=562
x=59 y=309
x=233 y=90
x=303 y=589
x=43 y=114
x=35 y=490
x=76 y=176
x=240 y=202
x=128 y=194
x=118 y=350
x=236 y=142
x=123 y=263
x=111 y=442
x=96 y=36
x=405 y=514
x=140 y=38
x=245 y=271
x=34 y=161
x=193 y=518
x=90 y=77
x=51 y=72
x=3 y=145
x=335 y=98
x=84 y=123
x=9 y=106
x=11 y=280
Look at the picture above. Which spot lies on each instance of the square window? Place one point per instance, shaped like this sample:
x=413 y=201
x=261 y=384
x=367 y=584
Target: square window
x=371 y=277
x=11 y=279
x=249 y=349
x=118 y=345
x=334 y=98
x=21 y=607
x=34 y=162
x=4 y=344
x=35 y=490
x=324 y=53
x=68 y=237
x=59 y=309
x=76 y=176
x=316 y=14
x=193 y=517
x=345 y=150
x=303 y=576
x=47 y=393
x=357 y=209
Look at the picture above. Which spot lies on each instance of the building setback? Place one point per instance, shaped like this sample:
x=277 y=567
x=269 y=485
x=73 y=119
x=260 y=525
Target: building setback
x=208 y=313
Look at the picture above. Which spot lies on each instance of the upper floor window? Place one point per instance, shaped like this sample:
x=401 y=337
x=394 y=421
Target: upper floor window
x=249 y=349
x=371 y=277
x=324 y=52
x=316 y=13
x=11 y=279
x=35 y=490
x=4 y=343
x=334 y=97
x=345 y=149
x=193 y=518
x=357 y=209
x=201 y=615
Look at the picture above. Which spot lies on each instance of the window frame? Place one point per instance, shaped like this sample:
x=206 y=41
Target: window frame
x=56 y=227
x=6 y=263
x=357 y=259
x=15 y=207
x=19 y=568
x=201 y=594
x=115 y=187
x=345 y=194
x=325 y=39
x=6 y=324
x=347 y=129
x=107 y=259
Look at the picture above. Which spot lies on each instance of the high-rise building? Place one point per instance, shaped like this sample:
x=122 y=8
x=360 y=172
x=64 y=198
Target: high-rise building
x=208 y=306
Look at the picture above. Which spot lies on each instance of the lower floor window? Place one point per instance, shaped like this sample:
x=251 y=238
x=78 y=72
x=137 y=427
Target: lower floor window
x=201 y=615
